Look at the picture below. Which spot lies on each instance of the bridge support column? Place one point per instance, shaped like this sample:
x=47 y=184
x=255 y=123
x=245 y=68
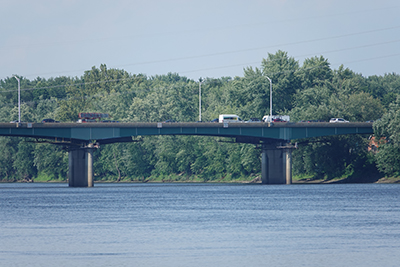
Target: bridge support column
x=288 y=154
x=276 y=164
x=80 y=163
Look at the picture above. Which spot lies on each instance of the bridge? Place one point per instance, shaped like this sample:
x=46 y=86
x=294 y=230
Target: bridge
x=274 y=138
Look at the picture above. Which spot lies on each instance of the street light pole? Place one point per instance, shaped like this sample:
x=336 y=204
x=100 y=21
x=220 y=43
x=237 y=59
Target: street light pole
x=270 y=97
x=200 y=81
x=19 y=99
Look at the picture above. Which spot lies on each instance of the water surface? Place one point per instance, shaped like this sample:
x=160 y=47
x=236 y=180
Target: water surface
x=200 y=225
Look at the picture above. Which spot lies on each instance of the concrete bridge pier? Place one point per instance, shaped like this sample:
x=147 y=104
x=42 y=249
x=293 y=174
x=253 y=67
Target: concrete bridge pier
x=80 y=163
x=276 y=164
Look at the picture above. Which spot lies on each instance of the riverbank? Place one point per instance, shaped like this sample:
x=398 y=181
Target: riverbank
x=348 y=180
x=253 y=179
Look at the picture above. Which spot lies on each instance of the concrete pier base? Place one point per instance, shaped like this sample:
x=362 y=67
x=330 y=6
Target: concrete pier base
x=276 y=164
x=288 y=154
x=80 y=163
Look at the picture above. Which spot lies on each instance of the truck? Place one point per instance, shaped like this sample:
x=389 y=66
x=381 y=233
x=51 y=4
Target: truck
x=276 y=118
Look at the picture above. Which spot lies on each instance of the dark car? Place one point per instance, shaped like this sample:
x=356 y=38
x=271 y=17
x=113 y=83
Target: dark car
x=170 y=121
x=49 y=121
x=215 y=120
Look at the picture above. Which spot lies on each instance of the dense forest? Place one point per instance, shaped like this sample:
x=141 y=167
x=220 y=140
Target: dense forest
x=312 y=90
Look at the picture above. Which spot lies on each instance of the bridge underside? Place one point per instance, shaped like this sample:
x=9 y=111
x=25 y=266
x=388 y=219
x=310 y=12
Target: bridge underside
x=276 y=164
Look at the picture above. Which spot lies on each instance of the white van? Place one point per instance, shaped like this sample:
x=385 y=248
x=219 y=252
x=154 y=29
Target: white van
x=228 y=118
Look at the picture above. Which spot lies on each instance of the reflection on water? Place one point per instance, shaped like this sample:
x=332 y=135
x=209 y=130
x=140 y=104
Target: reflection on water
x=199 y=225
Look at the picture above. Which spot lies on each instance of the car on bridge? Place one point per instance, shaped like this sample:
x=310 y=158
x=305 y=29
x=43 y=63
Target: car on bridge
x=335 y=120
x=278 y=120
x=253 y=120
x=49 y=121
x=311 y=121
x=85 y=120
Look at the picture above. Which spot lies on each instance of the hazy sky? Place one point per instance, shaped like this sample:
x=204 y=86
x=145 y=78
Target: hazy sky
x=51 y=38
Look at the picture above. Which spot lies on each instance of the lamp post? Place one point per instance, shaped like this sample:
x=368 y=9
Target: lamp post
x=19 y=99
x=200 y=81
x=270 y=97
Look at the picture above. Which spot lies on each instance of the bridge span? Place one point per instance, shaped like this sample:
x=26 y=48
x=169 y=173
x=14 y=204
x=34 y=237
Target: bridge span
x=274 y=138
x=104 y=133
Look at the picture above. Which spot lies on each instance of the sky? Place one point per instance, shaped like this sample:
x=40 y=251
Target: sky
x=208 y=39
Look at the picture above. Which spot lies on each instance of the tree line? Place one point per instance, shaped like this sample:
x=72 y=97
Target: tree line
x=311 y=91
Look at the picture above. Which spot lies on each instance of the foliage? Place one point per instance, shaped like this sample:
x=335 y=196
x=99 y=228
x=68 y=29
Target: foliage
x=281 y=69
x=309 y=91
x=387 y=135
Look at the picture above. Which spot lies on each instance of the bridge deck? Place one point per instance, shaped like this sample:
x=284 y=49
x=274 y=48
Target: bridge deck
x=116 y=132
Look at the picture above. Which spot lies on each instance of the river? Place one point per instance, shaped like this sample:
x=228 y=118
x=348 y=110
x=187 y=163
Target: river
x=47 y=224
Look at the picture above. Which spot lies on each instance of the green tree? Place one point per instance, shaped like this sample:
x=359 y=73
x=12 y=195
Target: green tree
x=315 y=71
x=27 y=113
x=330 y=157
x=139 y=158
x=76 y=101
x=312 y=104
x=166 y=152
x=23 y=162
x=45 y=108
x=217 y=97
x=251 y=94
x=8 y=148
x=386 y=132
x=51 y=160
x=281 y=69
x=386 y=88
x=357 y=107
x=108 y=162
